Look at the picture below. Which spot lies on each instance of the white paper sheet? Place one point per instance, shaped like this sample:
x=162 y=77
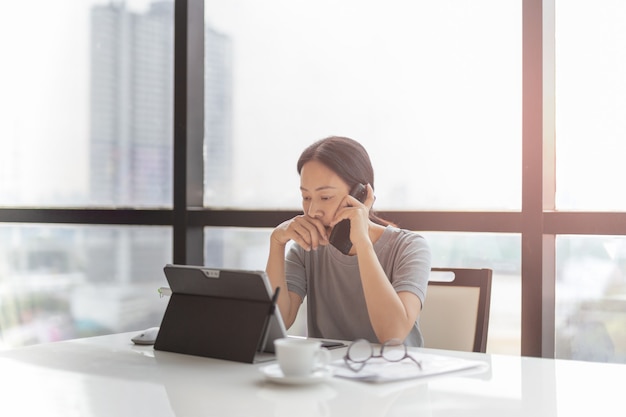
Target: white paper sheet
x=380 y=370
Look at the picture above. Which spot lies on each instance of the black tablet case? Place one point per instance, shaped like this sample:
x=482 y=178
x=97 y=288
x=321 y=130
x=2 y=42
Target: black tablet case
x=216 y=313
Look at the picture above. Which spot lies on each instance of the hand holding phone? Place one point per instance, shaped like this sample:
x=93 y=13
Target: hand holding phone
x=340 y=235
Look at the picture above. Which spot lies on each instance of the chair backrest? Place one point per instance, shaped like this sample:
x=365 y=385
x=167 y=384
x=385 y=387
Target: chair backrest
x=455 y=315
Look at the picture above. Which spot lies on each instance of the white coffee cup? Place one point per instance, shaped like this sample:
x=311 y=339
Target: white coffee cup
x=300 y=357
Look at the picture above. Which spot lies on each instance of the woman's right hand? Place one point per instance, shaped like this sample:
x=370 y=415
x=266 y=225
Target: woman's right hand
x=306 y=231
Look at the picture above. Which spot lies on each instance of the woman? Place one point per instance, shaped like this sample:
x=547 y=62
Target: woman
x=376 y=291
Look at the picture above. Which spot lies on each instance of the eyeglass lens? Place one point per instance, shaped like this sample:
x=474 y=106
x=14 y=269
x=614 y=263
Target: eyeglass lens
x=393 y=351
x=360 y=351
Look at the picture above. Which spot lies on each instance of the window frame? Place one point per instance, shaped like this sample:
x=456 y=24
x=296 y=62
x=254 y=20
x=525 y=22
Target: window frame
x=538 y=222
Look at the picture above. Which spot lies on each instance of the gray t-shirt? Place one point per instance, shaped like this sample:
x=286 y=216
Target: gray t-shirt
x=336 y=305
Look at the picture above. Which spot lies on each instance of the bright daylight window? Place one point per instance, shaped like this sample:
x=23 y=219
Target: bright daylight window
x=432 y=89
x=64 y=282
x=88 y=104
x=85 y=120
x=590 y=129
x=591 y=298
x=590 y=105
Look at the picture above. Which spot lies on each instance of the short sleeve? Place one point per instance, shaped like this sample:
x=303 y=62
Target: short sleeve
x=295 y=270
x=411 y=267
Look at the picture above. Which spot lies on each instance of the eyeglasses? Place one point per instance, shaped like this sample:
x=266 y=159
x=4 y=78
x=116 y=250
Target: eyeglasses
x=360 y=351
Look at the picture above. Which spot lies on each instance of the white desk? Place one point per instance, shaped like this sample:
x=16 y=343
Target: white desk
x=109 y=376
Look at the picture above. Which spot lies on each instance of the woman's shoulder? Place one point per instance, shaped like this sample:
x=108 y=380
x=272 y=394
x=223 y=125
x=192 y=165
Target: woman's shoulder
x=408 y=236
x=403 y=242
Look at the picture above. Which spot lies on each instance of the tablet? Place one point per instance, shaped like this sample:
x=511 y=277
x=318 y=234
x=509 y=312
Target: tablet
x=221 y=313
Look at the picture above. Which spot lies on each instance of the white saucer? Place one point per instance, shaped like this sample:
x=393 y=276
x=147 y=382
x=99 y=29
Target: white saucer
x=273 y=373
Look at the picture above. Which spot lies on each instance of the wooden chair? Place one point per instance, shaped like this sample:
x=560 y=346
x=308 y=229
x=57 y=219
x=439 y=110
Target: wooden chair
x=455 y=315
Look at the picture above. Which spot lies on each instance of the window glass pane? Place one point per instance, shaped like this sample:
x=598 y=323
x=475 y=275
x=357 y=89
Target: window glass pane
x=590 y=104
x=248 y=249
x=59 y=282
x=591 y=298
x=86 y=109
x=427 y=87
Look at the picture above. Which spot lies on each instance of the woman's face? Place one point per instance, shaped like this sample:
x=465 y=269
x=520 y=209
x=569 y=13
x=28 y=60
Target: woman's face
x=322 y=191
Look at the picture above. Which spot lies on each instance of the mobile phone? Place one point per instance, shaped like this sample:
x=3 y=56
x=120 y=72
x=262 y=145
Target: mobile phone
x=340 y=235
x=330 y=344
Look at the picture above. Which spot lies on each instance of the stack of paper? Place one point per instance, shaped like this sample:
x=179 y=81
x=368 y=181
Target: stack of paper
x=380 y=370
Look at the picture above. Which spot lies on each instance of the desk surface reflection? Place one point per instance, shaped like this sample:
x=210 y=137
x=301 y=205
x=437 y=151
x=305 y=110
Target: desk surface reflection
x=110 y=376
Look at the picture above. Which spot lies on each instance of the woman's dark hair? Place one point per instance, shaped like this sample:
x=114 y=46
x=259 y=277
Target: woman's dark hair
x=348 y=159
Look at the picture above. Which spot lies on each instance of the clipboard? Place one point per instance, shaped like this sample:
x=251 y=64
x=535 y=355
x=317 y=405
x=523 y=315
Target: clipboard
x=220 y=313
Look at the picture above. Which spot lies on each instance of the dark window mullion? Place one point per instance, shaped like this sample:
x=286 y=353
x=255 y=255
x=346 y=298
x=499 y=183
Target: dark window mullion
x=139 y=217
x=532 y=179
x=188 y=128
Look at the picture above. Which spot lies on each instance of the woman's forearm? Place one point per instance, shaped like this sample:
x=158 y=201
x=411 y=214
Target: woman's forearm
x=275 y=270
x=391 y=315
